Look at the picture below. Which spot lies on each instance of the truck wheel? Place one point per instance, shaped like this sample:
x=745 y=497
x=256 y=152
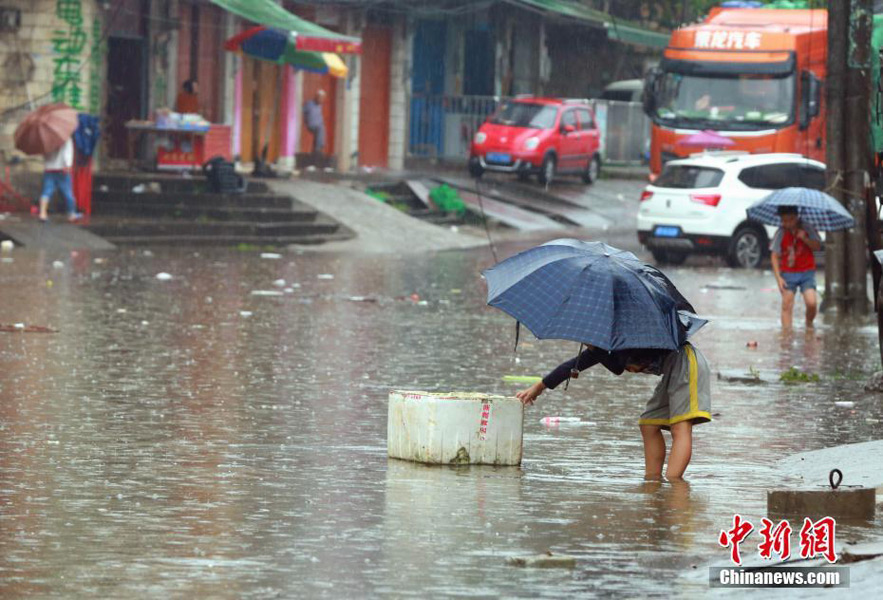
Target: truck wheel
x=547 y=171
x=669 y=257
x=746 y=248
x=593 y=170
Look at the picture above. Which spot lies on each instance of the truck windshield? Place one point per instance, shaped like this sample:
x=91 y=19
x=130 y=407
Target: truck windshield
x=738 y=102
x=522 y=114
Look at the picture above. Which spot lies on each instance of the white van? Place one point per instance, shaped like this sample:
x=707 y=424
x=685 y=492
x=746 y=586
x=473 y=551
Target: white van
x=627 y=90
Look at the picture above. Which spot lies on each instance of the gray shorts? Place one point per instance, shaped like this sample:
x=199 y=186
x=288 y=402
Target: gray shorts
x=684 y=394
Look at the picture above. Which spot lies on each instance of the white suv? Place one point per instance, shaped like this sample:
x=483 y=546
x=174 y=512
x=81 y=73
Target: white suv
x=697 y=205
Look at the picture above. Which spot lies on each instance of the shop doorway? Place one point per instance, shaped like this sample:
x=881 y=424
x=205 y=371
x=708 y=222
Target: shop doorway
x=126 y=90
x=262 y=85
x=312 y=84
x=374 y=99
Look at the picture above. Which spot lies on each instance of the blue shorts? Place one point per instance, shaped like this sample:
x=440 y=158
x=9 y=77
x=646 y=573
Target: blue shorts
x=61 y=181
x=802 y=280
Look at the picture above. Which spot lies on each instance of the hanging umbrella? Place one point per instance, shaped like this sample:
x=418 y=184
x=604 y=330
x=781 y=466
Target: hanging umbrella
x=319 y=62
x=280 y=47
x=46 y=129
x=707 y=139
x=273 y=43
x=814 y=207
x=591 y=293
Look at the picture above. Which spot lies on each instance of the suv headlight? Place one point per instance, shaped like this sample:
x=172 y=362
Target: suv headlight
x=531 y=143
x=480 y=137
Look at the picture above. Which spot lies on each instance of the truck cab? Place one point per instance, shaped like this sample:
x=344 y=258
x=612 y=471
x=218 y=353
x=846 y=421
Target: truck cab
x=752 y=75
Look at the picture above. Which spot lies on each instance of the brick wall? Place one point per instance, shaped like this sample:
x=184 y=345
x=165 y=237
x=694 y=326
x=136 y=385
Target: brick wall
x=35 y=57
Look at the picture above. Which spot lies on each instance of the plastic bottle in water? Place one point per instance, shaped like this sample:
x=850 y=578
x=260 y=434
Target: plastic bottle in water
x=560 y=420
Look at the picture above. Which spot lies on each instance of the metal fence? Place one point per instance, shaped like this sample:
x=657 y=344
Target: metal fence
x=443 y=126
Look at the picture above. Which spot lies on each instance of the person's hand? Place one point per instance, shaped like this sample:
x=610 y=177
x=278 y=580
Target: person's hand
x=782 y=287
x=529 y=395
x=801 y=235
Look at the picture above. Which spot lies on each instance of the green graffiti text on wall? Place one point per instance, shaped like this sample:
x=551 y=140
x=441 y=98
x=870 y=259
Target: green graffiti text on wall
x=68 y=46
x=96 y=61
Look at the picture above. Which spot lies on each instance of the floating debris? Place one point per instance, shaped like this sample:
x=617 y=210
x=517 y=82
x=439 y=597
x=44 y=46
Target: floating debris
x=271 y=255
x=543 y=561
x=522 y=378
x=324 y=276
x=555 y=421
x=163 y=276
x=266 y=293
x=22 y=328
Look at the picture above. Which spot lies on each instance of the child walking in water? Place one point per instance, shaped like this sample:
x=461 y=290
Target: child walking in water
x=794 y=265
x=681 y=399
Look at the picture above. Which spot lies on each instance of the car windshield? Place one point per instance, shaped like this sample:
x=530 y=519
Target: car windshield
x=688 y=177
x=522 y=114
x=741 y=102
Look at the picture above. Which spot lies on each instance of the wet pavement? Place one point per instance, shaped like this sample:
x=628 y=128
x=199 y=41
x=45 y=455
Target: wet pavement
x=188 y=437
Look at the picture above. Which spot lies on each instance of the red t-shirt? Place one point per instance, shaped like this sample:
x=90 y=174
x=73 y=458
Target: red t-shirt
x=795 y=255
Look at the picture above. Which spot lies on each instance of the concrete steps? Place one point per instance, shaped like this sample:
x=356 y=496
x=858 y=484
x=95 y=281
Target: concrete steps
x=136 y=209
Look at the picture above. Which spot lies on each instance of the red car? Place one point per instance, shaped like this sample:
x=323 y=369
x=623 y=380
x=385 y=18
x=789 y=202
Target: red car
x=542 y=136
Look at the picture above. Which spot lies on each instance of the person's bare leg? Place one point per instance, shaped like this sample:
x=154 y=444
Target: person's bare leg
x=44 y=208
x=787 y=308
x=811 y=300
x=654 y=451
x=681 y=450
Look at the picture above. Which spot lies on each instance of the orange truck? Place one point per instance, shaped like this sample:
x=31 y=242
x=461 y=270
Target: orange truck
x=751 y=75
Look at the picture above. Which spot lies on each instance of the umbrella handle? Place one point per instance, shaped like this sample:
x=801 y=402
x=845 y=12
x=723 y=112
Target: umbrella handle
x=574 y=372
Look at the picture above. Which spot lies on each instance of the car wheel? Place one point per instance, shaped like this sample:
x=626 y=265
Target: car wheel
x=746 y=248
x=475 y=168
x=547 y=171
x=593 y=170
x=669 y=257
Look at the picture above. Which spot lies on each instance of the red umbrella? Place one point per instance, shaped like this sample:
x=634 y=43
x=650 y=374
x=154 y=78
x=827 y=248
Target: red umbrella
x=707 y=139
x=46 y=129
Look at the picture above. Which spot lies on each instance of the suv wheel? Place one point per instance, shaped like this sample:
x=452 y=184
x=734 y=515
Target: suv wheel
x=746 y=248
x=593 y=170
x=669 y=257
x=547 y=171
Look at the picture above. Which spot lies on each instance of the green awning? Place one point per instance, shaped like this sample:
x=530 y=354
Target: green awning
x=267 y=12
x=617 y=29
x=637 y=35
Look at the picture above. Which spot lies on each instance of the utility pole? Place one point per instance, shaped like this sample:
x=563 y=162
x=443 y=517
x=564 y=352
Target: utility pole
x=835 y=86
x=857 y=148
x=849 y=157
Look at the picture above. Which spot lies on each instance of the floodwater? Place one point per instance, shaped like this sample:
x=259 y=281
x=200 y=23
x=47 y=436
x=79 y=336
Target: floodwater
x=165 y=443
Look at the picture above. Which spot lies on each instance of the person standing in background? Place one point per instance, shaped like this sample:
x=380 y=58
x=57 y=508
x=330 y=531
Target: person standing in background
x=315 y=121
x=57 y=168
x=188 y=97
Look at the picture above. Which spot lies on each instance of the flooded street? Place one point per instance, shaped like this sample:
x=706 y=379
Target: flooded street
x=191 y=438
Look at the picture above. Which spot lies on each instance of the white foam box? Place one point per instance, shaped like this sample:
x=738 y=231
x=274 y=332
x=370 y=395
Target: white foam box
x=457 y=428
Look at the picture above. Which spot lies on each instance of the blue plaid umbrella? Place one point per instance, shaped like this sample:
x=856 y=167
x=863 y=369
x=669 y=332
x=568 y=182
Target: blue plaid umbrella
x=816 y=208
x=591 y=293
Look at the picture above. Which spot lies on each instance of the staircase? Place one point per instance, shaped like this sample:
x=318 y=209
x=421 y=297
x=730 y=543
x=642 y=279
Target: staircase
x=138 y=209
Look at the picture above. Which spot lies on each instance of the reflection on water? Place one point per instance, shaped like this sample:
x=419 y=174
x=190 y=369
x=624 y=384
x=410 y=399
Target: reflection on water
x=162 y=443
